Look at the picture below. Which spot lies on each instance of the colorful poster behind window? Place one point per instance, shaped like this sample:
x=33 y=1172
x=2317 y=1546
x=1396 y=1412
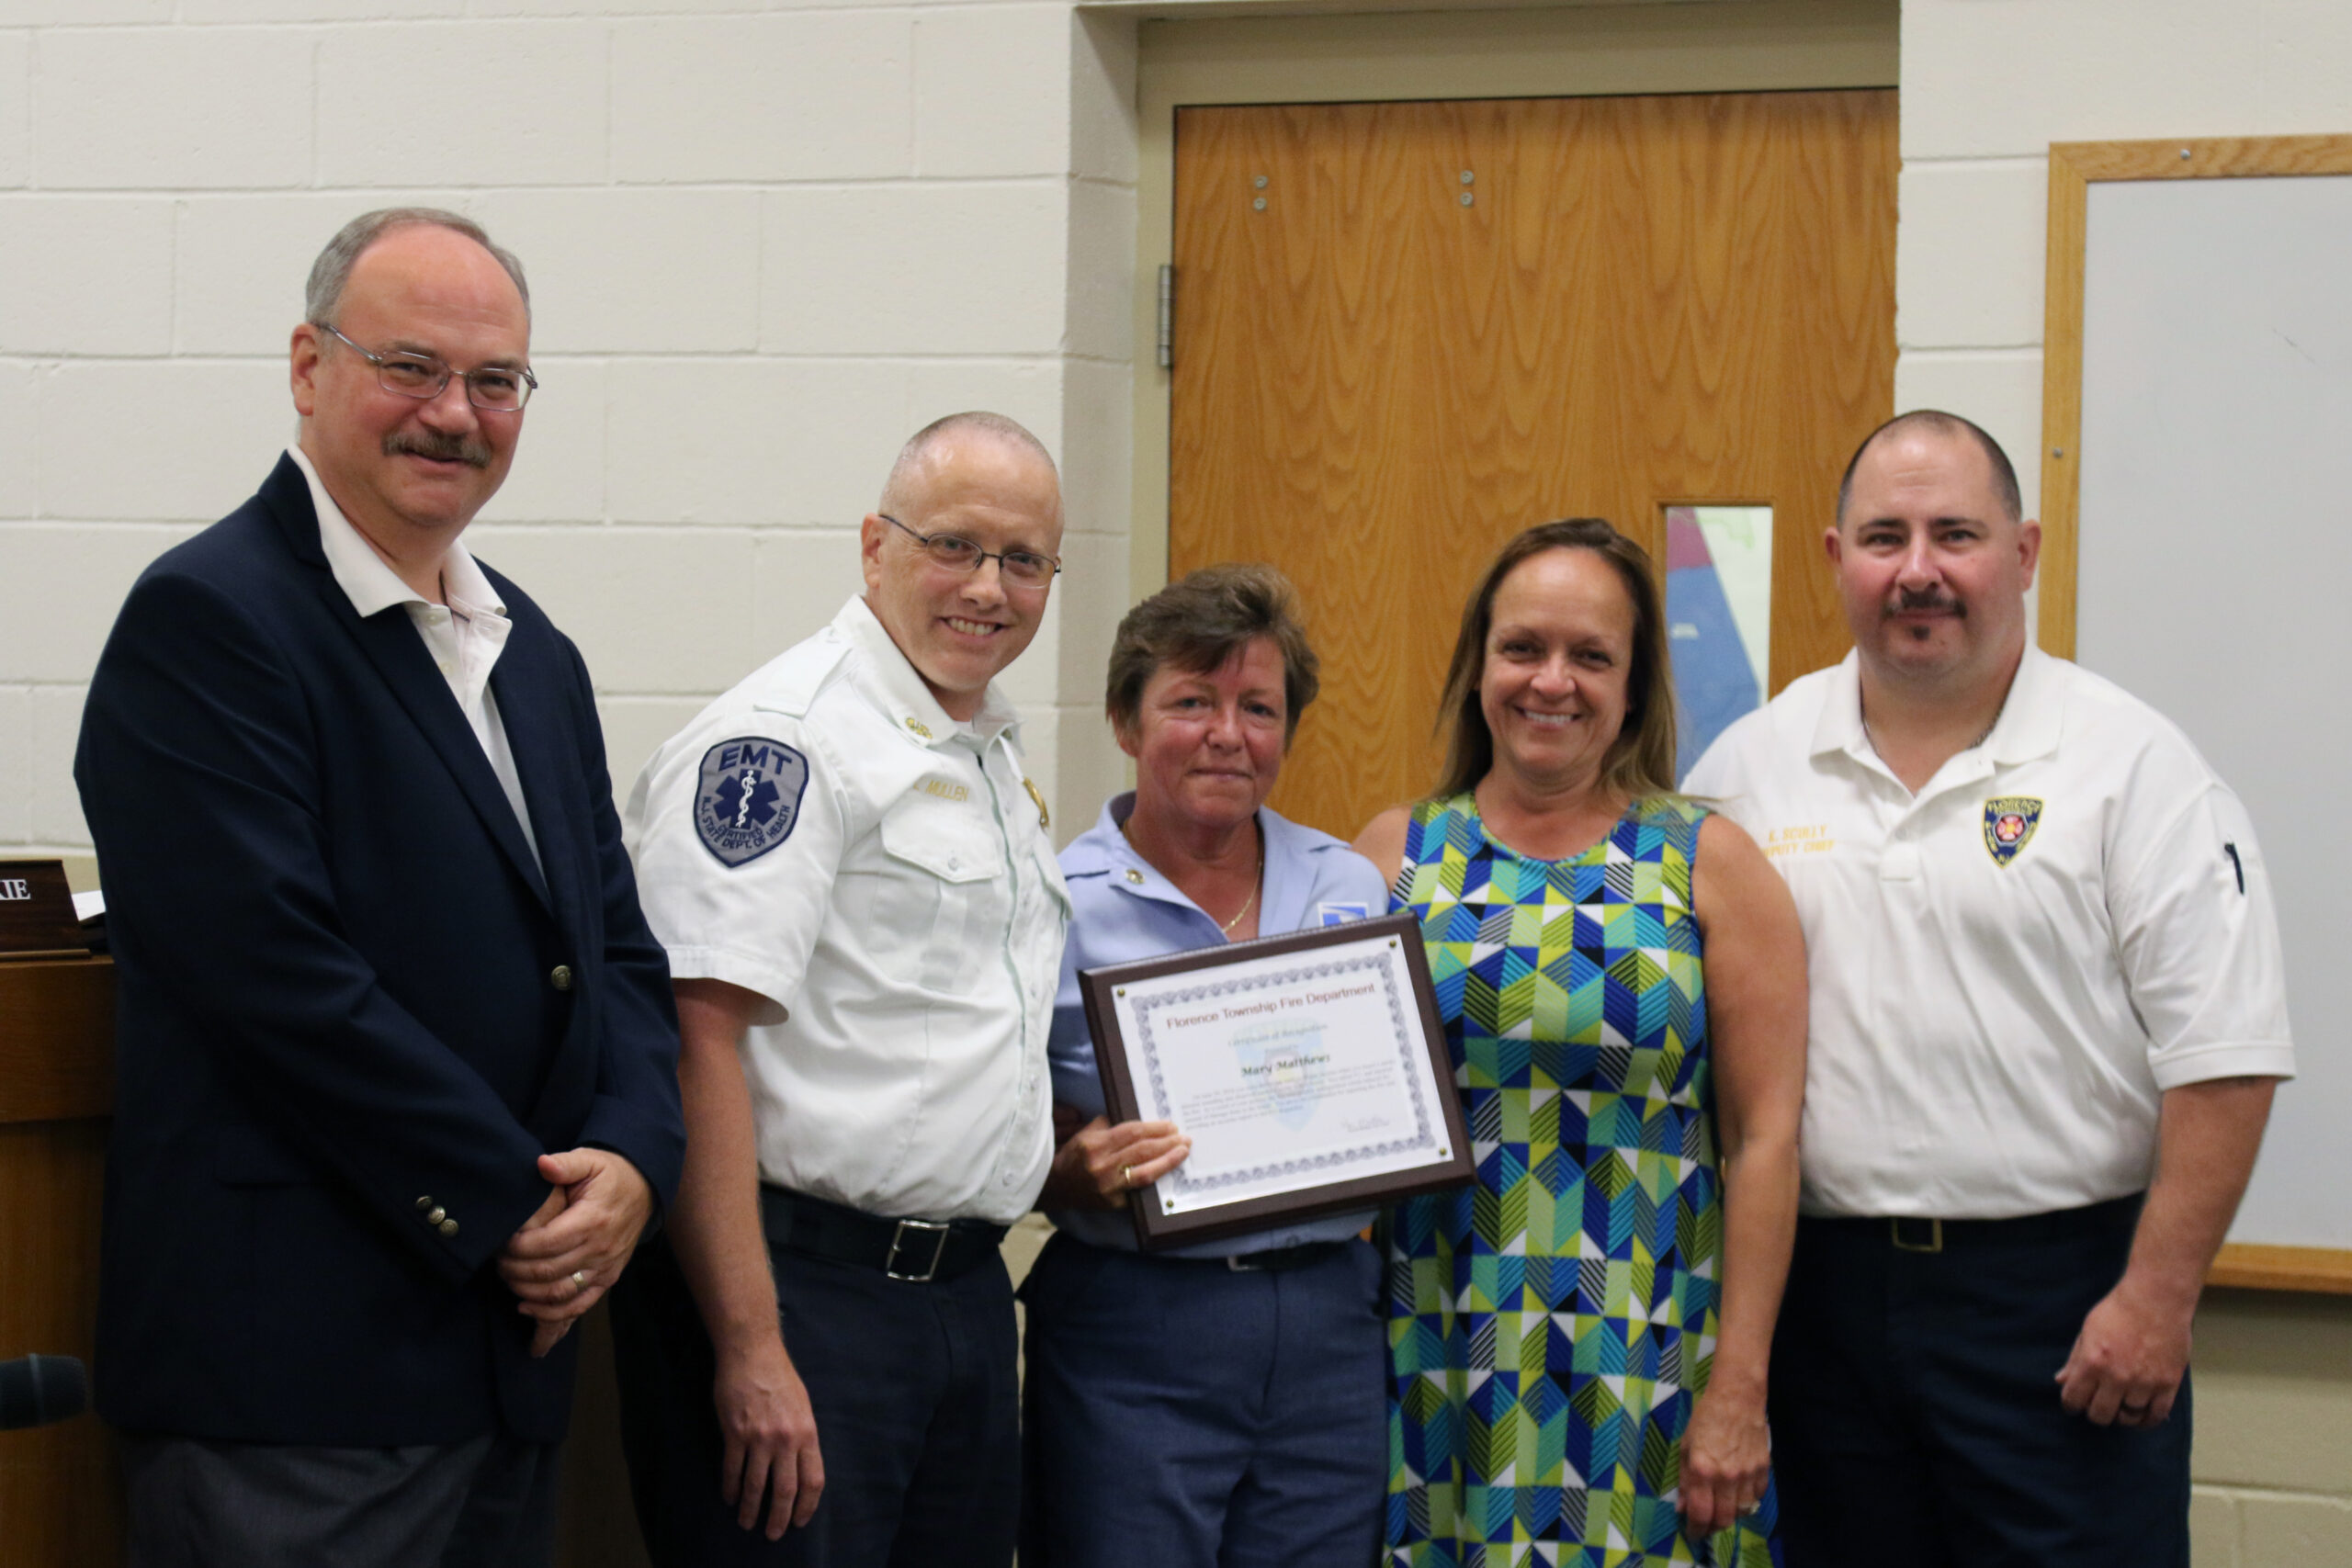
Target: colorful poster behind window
x=1718 y=618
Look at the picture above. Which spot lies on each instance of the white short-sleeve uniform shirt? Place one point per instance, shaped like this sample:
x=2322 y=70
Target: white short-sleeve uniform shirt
x=2009 y=968
x=826 y=836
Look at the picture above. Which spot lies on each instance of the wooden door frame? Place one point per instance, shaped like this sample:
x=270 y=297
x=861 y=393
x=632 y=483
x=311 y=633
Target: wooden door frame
x=1569 y=51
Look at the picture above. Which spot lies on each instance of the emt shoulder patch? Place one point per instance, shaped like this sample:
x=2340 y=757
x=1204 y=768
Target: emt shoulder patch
x=747 y=797
x=2010 y=822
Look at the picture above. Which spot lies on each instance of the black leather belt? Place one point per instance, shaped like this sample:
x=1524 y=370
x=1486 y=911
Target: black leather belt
x=1909 y=1233
x=919 y=1251
x=1275 y=1260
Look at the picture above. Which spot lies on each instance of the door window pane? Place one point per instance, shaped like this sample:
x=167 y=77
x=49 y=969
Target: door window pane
x=1718 y=618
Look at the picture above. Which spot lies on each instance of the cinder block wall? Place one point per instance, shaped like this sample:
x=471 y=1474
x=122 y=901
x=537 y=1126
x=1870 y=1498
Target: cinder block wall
x=764 y=244
x=1987 y=85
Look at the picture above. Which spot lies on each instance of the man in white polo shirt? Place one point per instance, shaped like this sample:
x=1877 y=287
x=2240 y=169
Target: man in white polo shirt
x=2047 y=1019
x=850 y=869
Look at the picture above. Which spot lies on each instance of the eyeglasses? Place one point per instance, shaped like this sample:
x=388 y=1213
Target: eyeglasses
x=501 y=388
x=1023 y=569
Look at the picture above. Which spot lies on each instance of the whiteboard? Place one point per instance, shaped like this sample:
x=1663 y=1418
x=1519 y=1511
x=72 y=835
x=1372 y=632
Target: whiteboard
x=2215 y=574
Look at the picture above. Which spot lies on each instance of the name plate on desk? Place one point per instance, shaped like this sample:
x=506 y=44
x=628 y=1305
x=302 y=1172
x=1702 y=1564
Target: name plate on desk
x=1310 y=1072
x=37 y=912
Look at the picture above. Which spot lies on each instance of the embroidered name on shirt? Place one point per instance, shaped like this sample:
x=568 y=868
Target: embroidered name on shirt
x=946 y=789
x=1812 y=840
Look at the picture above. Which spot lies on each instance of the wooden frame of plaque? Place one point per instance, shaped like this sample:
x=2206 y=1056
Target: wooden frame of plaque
x=1420 y=1038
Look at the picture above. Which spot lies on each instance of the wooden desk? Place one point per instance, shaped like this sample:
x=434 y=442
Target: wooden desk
x=61 y=1486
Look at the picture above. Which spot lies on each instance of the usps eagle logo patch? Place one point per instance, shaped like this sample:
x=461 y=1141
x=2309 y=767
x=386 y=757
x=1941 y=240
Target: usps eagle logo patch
x=2010 y=822
x=747 y=797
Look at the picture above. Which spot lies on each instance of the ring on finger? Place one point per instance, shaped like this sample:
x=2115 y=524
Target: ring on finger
x=578 y=1281
x=1126 y=1175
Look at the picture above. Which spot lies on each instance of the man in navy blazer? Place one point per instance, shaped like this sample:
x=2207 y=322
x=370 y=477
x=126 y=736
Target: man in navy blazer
x=396 y=1081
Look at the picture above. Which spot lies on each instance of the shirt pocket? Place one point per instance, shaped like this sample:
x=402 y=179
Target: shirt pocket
x=947 y=863
x=2044 y=892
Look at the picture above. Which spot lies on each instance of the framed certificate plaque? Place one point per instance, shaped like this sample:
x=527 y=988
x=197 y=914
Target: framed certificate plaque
x=1309 y=1070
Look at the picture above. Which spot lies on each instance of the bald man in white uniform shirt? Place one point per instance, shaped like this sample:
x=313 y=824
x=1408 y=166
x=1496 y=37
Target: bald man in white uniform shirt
x=849 y=866
x=2047 y=1019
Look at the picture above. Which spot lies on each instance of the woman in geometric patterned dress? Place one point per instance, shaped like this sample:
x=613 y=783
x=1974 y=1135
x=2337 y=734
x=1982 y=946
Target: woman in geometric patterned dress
x=1579 y=1341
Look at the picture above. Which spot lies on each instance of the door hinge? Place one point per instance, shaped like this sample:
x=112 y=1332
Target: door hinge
x=1167 y=318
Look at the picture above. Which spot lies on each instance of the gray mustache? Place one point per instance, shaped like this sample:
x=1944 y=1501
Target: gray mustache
x=474 y=454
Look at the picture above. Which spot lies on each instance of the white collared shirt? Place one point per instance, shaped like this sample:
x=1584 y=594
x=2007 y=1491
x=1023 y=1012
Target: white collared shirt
x=465 y=637
x=2009 y=968
x=826 y=836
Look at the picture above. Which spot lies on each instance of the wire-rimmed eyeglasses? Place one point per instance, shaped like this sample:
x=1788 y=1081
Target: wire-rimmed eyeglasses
x=501 y=388
x=1023 y=569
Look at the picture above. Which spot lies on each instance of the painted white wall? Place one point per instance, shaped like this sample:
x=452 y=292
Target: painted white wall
x=764 y=244
x=1988 y=85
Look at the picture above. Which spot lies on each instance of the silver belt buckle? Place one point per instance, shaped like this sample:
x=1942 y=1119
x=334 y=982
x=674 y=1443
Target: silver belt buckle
x=937 y=1230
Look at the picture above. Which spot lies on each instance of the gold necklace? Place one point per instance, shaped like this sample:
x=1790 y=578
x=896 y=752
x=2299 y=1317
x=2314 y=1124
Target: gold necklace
x=1259 y=880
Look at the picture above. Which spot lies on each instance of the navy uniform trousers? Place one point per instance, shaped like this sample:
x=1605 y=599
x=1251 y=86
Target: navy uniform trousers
x=1915 y=1408
x=1181 y=1414
x=912 y=1385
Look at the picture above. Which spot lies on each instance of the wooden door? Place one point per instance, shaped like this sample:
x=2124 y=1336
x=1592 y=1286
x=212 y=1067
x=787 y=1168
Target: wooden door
x=1405 y=332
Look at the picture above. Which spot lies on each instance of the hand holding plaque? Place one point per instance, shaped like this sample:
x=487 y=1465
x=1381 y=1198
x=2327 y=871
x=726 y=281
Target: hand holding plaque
x=1309 y=1071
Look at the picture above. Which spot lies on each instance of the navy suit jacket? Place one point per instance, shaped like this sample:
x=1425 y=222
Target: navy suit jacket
x=346 y=997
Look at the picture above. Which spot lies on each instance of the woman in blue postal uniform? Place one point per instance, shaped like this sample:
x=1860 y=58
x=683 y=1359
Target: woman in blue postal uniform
x=1219 y=1402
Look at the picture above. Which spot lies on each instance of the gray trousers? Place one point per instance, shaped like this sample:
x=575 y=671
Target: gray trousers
x=485 y=1503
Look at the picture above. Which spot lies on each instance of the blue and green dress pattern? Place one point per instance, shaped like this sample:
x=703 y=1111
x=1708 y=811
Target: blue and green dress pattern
x=1550 y=1325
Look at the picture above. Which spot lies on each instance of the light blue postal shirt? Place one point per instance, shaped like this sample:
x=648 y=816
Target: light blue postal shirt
x=1123 y=909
